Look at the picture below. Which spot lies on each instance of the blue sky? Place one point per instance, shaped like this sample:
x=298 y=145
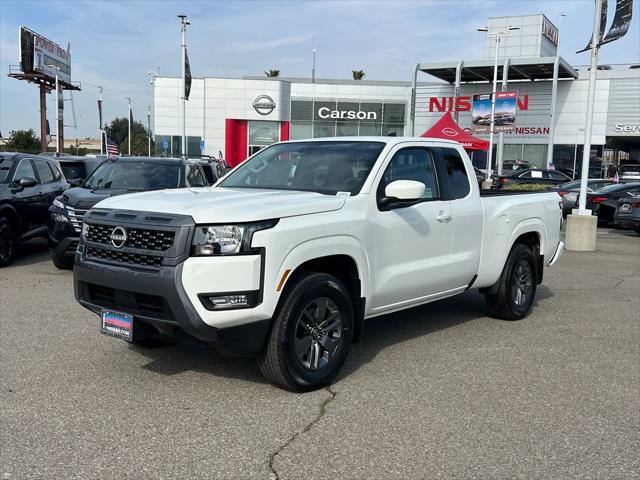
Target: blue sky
x=114 y=43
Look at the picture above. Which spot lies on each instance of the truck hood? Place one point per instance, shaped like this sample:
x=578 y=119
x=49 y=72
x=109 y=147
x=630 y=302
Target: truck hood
x=226 y=205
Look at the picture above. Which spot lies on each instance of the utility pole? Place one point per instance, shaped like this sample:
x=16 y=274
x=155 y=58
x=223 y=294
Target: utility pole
x=183 y=28
x=59 y=117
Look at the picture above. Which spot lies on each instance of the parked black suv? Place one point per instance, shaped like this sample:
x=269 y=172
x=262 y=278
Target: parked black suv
x=113 y=177
x=28 y=185
x=76 y=168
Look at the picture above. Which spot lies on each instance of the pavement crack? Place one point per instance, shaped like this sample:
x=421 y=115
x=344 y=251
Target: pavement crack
x=309 y=426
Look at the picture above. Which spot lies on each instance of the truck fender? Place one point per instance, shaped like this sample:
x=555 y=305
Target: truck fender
x=530 y=225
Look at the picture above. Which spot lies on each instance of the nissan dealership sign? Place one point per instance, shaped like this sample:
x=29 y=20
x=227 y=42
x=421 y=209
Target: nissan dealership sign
x=325 y=113
x=264 y=104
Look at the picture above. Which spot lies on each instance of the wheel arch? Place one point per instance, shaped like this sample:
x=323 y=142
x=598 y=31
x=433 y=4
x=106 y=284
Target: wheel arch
x=9 y=212
x=351 y=269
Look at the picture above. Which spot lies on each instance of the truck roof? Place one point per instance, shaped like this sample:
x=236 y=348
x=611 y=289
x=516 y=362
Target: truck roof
x=387 y=140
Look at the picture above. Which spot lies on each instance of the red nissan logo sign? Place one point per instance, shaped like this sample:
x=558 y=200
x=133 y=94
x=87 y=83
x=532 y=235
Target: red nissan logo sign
x=449 y=132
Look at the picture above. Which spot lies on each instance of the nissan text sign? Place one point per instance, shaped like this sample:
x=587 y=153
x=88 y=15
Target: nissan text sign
x=463 y=103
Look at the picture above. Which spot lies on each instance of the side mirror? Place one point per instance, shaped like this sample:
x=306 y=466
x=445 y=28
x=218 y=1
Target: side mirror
x=401 y=193
x=76 y=182
x=24 y=182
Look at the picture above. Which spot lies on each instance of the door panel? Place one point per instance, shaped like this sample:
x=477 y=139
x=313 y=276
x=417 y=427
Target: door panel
x=412 y=244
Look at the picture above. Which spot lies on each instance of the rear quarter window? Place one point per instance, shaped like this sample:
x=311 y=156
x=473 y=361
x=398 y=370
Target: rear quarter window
x=456 y=173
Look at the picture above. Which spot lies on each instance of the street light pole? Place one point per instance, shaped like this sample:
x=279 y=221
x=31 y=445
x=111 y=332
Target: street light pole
x=149 y=128
x=183 y=28
x=99 y=87
x=313 y=69
x=129 y=123
x=498 y=36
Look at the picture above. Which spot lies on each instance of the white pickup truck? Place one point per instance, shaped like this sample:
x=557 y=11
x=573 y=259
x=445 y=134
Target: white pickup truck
x=288 y=254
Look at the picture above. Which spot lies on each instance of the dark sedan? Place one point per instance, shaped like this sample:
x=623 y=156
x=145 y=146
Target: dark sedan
x=569 y=191
x=604 y=202
x=532 y=176
x=628 y=214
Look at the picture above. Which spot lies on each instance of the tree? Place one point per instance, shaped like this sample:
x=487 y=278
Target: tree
x=272 y=73
x=23 y=141
x=118 y=131
x=358 y=74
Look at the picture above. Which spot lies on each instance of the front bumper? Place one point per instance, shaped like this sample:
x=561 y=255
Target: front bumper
x=62 y=238
x=161 y=306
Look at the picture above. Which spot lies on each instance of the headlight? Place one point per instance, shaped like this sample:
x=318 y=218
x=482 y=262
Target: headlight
x=58 y=203
x=226 y=239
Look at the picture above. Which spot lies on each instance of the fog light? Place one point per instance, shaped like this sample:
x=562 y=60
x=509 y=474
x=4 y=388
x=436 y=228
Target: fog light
x=229 y=301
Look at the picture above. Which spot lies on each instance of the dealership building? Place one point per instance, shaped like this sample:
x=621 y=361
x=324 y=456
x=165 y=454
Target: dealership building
x=239 y=116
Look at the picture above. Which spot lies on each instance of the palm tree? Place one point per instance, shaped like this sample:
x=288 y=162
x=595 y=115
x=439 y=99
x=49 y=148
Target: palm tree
x=272 y=73
x=358 y=74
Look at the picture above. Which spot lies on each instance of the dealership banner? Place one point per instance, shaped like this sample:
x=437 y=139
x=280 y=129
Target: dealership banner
x=505 y=113
x=481 y=113
x=621 y=21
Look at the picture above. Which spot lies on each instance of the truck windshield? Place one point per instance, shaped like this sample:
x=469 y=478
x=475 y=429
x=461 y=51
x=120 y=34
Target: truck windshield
x=134 y=176
x=323 y=167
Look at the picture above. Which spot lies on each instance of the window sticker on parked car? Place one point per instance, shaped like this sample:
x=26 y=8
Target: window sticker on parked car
x=536 y=174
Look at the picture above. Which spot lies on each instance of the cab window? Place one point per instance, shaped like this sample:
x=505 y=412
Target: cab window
x=412 y=164
x=25 y=169
x=456 y=173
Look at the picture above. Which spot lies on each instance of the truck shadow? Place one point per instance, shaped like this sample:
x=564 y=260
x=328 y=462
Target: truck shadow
x=380 y=333
x=31 y=252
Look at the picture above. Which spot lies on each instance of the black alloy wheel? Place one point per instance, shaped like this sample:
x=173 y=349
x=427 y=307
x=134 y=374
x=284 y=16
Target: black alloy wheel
x=311 y=333
x=512 y=297
x=318 y=333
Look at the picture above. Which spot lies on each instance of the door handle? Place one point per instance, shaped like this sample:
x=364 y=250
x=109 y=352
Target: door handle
x=443 y=217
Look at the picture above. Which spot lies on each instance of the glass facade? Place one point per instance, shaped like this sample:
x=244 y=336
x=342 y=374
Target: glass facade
x=330 y=118
x=174 y=146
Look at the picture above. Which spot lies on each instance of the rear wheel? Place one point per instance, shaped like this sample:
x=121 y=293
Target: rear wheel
x=7 y=241
x=311 y=334
x=516 y=287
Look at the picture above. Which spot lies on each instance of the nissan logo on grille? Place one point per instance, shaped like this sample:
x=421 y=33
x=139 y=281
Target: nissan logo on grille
x=264 y=104
x=118 y=237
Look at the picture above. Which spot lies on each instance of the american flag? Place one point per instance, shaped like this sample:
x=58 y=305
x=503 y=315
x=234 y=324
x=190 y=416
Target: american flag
x=112 y=148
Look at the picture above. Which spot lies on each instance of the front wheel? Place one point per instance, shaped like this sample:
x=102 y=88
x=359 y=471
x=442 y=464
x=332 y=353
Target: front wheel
x=516 y=287
x=61 y=262
x=311 y=334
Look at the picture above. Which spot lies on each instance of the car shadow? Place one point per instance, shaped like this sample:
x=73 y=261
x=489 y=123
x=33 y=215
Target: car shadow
x=31 y=252
x=380 y=333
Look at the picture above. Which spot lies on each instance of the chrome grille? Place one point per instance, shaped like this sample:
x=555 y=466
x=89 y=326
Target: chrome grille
x=75 y=215
x=124 y=257
x=143 y=239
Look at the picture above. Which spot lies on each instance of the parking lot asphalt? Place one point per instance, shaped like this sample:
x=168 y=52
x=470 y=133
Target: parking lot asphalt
x=440 y=391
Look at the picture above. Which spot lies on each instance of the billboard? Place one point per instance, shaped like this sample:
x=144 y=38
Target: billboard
x=505 y=112
x=38 y=53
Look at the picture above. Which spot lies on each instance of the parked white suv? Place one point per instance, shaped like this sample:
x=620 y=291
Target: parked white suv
x=290 y=252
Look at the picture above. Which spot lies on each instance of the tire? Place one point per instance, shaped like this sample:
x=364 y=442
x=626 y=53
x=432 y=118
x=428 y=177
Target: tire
x=7 y=242
x=516 y=286
x=61 y=263
x=303 y=351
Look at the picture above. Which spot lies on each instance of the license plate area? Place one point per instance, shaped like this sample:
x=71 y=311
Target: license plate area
x=117 y=324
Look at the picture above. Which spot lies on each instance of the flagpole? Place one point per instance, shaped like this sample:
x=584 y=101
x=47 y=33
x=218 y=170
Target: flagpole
x=183 y=27
x=99 y=87
x=149 y=127
x=129 y=123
